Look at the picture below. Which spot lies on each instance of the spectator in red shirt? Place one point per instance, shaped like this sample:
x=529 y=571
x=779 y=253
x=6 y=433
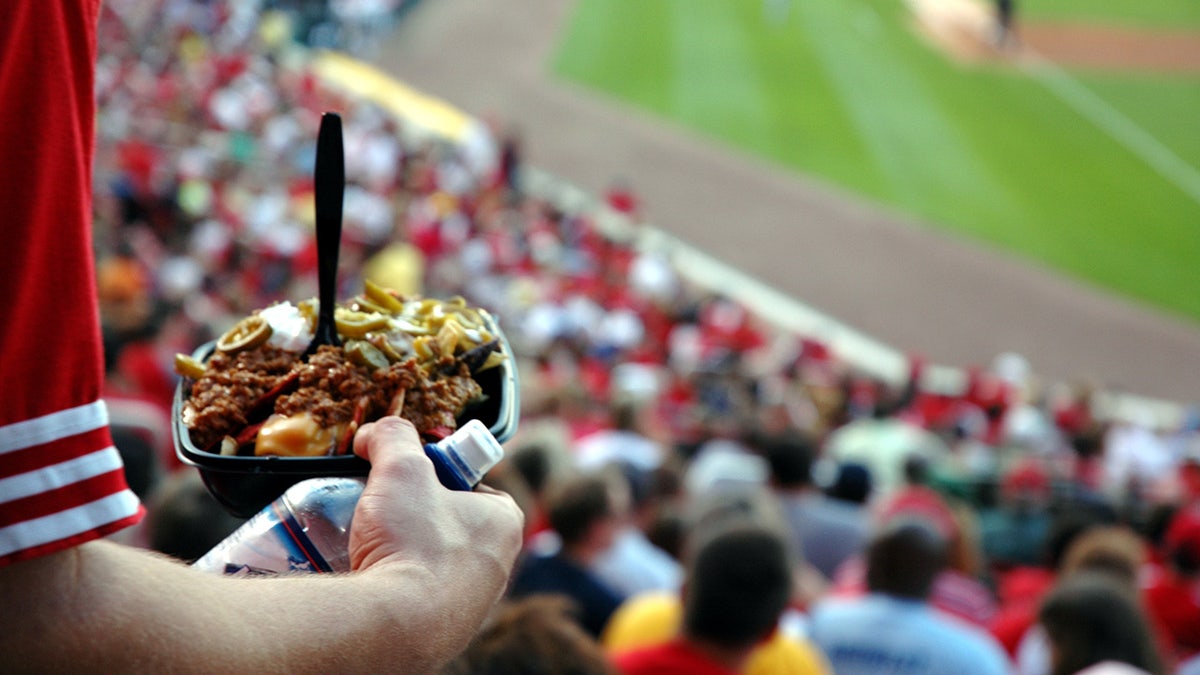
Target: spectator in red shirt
x=1172 y=593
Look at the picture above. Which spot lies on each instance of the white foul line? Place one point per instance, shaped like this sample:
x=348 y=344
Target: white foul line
x=1118 y=126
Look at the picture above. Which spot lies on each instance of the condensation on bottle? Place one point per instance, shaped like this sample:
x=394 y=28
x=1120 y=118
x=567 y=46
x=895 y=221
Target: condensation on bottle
x=307 y=529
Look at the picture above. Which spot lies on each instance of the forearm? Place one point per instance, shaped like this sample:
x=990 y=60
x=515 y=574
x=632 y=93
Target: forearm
x=108 y=607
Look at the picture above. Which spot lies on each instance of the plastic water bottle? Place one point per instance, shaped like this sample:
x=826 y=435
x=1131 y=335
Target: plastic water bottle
x=307 y=529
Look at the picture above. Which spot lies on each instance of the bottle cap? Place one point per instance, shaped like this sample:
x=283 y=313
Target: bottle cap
x=473 y=450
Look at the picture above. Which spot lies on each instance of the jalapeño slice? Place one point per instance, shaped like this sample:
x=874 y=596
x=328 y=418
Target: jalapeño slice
x=250 y=332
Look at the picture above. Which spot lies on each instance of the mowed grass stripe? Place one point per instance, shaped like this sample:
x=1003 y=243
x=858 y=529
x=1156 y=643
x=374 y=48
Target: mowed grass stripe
x=895 y=110
x=625 y=47
x=716 y=84
x=1121 y=129
x=811 y=126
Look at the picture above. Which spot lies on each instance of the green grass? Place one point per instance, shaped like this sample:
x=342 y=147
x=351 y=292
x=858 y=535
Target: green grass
x=1168 y=14
x=843 y=90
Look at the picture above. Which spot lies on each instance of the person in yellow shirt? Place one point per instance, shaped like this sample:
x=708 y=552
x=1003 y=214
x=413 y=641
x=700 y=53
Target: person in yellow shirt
x=656 y=617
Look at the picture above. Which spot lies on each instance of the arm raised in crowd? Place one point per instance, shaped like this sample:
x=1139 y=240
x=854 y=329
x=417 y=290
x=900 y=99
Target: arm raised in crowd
x=429 y=565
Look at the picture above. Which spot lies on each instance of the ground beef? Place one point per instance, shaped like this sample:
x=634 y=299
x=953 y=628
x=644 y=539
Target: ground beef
x=395 y=380
x=436 y=404
x=328 y=386
x=221 y=400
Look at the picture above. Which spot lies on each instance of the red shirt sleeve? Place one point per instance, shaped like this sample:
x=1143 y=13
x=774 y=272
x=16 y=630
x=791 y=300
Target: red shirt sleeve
x=61 y=480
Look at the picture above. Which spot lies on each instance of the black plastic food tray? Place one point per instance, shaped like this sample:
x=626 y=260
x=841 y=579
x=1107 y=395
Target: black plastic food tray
x=243 y=485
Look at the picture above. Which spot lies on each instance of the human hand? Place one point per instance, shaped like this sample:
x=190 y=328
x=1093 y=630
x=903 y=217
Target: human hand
x=463 y=540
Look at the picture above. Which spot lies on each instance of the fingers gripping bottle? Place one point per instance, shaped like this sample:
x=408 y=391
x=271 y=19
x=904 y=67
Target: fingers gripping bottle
x=307 y=529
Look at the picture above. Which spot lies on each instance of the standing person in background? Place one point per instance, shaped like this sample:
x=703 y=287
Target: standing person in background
x=829 y=531
x=508 y=178
x=894 y=629
x=582 y=512
x=429 y=562
x=1005 y=19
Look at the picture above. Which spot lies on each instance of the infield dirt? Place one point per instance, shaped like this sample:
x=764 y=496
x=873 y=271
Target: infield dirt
x=966 y=31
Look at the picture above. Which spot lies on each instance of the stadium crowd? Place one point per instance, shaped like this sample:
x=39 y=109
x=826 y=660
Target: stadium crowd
x=703 y=491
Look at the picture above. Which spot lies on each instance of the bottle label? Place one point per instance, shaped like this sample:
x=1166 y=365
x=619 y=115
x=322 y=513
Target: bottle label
x=270 y=543
x=309 y=558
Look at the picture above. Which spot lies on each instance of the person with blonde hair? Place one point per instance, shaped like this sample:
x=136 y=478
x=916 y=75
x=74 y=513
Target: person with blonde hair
x=1113 y=552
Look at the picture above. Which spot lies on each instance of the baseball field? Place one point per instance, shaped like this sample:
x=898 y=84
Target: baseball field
x=1077 y=145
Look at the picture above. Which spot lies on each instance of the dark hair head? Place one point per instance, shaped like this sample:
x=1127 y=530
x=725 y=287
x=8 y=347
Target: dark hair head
x=668 y=531
x=738 y=583
x=1091 y=618
x=1068 y=526
x=852 y=483
x=532 y=462
x=1181 y=541
x=535 y=635
x=575 y=505
x=1157 y=520
x=1088 y=444
x=623 y=414
x=905 y=557
x=916 y=470
x=791 y=459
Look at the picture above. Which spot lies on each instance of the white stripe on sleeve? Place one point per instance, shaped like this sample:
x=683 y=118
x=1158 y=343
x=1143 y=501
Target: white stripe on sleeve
x=52 y=427
x=30 y=533
x=46 y=478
